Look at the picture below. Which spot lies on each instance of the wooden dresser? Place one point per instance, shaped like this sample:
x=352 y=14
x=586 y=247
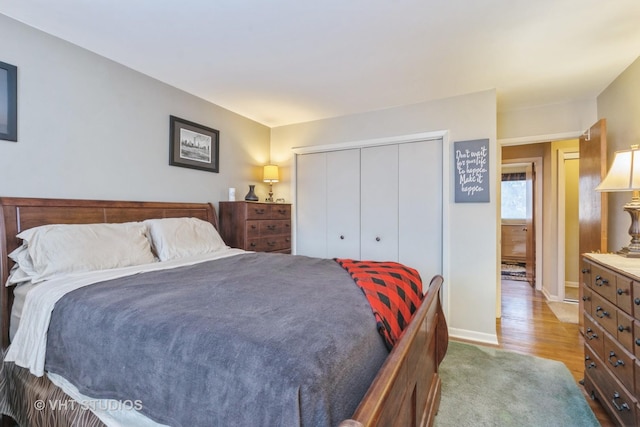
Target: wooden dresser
x=611 y=297
x=255 y=226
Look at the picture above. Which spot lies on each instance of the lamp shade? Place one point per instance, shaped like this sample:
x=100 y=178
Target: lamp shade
x=270 y=173
x=624 y=174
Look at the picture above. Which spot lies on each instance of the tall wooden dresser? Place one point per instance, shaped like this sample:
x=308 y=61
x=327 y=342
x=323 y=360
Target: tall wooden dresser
x=255 y=226
x=611 y=296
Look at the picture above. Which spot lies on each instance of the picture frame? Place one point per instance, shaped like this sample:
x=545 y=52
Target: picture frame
x=193 y=146
x=8 y=102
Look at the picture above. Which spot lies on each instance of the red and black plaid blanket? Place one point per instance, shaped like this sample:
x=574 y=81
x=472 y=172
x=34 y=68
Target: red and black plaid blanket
x=393 y=290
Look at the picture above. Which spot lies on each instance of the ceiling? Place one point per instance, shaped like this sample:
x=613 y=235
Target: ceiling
x=287 y=61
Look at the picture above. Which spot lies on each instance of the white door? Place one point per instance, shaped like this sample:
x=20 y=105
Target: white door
x=420 y=206
x=343 y=204
x=379 y=203
x=311 y=205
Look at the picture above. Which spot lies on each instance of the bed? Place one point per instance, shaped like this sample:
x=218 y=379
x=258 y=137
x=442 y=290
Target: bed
x=404 y=390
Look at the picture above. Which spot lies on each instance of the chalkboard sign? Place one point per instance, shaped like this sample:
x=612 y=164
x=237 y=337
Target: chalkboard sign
x=472 y=171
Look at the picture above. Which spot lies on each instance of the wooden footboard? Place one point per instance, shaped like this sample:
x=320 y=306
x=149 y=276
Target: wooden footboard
x=406 y=391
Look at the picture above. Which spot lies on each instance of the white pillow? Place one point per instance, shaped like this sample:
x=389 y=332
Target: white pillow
x=182 y=237
x=69 y=248
x=24 y=265
x=17 y=276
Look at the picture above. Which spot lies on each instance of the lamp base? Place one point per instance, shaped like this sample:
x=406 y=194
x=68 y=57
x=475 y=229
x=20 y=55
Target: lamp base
x=625 y=252
x=270 y=198
x=633 y=250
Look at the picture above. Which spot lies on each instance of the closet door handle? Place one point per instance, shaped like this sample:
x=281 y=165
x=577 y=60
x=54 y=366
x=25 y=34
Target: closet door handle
x=377 y=239
x=342 y=237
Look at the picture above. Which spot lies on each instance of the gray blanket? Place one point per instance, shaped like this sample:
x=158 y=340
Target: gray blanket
x=252 y=340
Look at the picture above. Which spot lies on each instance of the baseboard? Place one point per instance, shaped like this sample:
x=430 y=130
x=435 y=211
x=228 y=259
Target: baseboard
x=571 y=284
x=472 y=336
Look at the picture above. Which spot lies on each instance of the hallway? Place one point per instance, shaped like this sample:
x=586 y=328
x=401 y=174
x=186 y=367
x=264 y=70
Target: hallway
x=529 y=326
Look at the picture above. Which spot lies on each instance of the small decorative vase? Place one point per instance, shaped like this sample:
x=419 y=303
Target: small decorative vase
x=251 y=195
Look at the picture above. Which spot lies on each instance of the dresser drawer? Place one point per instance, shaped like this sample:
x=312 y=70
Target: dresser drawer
x=636 y=300
x=594 y=336
x=605 y=313
x=586 y=298
x=268 y=227
x=603 y=282
x=269 y=244
x=620 y=362
x=618 y=401
x=279 y=211
x=624 y=287
x=636 y=338
x=268 y=211
x=625 y=331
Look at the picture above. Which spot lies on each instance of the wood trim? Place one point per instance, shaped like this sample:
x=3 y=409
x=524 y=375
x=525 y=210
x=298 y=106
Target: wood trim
x=17 y=214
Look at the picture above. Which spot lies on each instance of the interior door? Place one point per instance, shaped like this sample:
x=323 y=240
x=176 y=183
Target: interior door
x=379 y=203
x=529 y=227
x=592 y=213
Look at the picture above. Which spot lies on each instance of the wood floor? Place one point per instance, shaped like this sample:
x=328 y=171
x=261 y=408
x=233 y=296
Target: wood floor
x=529 y=326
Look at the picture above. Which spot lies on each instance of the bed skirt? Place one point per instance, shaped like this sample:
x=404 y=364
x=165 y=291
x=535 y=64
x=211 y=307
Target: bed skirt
x=33 y=401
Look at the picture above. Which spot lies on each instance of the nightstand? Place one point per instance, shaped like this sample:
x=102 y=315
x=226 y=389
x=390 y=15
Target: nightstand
x=255 y=226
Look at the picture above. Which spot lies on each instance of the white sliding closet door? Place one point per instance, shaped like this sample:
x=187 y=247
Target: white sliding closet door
x=379 y=203
x=420 y=206
x=311 y=205
x=343 y=204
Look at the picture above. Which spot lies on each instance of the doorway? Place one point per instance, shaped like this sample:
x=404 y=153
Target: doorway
x=568 y=224
x=521 y=219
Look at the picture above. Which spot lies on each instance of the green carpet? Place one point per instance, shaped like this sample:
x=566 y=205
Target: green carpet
x=484 y=386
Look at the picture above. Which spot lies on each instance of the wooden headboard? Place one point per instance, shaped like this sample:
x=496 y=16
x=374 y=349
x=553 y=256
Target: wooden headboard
x=18 y=214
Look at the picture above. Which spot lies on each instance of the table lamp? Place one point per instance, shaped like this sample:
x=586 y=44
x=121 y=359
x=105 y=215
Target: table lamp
x=270 y=175
x=624 y=175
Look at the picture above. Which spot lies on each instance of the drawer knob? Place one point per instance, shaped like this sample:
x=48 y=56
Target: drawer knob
x=252 y=244
x=636 y=301
x=591 y=335
x=638 y=342
x=271 y=243
x=259 y=211
x=271 y=227
x=623 y=407
x=600 y=281
x=616 y=364
x=590 y=364
x=585 y=270
x=623 y=291
x=624 y=328
x=604 y=313
x=586 y=298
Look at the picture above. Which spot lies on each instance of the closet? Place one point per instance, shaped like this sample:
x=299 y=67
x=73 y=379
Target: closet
x=381 y=202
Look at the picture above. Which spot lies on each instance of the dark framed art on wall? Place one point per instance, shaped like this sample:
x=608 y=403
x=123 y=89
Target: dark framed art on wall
x=8 y=102
x=193 y=146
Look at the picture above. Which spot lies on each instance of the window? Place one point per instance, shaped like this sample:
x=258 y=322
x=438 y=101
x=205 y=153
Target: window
x=514 y=196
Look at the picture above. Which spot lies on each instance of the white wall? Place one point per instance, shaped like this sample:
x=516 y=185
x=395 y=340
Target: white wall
x=619 y=103
x=91 y=128
x=471 y=229
x=547 y=122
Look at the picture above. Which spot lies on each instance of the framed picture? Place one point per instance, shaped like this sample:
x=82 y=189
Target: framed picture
x=193 y=146
x=8 y=102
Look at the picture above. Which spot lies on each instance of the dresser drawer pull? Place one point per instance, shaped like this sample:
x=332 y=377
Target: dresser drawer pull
x=271 y=243
x=282 y=211
x=271 y=227
x=623 y=407
x=604 y=313
x=590 y=334
x=590 y=364
x=637 y=301
x=252 y=244
x=600 y=281
x=586 y=298
x=622 y=328
x=616 y=364
x=259 y=211
x=253 y=226
x=623 y=291
x=585 y=270
x=638 y=342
